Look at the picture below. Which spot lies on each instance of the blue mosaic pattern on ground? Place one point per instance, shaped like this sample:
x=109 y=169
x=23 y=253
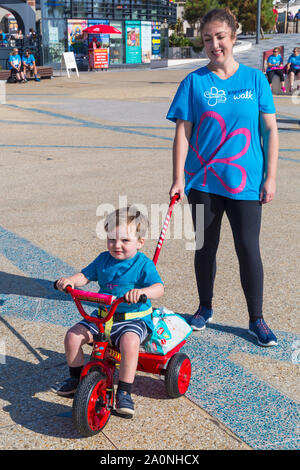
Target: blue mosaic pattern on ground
x=255 y=411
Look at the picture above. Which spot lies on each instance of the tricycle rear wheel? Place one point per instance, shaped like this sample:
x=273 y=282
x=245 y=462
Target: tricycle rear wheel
x=92 y=404
x=178 y=374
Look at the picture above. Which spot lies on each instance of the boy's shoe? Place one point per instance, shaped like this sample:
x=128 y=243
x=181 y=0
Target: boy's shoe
x=124 y=403
x=66 y=388
x=263 y=334
x=201 y=317
x=37 y=79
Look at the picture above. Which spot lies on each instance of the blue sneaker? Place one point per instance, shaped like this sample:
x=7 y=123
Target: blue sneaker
x=263 y=334
x=124 y=403
x=201 y=317
x=66 y=388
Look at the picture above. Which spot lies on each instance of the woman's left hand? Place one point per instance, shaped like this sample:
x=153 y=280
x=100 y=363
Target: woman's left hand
x=268 y=190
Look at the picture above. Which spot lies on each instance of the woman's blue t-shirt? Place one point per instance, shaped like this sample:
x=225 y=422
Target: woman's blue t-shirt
x=15 y=60
x=225 y=154
x=295 y=60
x=274 y=60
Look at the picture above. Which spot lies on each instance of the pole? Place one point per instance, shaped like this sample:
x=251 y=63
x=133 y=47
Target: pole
x=258 y=20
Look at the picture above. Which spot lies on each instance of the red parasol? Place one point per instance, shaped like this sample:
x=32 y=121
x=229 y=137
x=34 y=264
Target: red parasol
x=101 y=29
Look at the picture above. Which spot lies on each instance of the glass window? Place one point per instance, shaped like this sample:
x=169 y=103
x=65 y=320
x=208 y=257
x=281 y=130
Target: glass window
x=55 y=9
x=116 y=48
x=54 y=40
x=79 y=8
x=98 y=8
x=109 y=9
x=144 y=10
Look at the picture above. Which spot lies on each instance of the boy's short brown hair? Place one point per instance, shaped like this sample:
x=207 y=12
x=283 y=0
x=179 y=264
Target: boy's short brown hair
x=131 y=216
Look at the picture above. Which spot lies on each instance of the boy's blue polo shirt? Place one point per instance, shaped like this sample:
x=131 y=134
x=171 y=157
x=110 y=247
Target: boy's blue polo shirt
x=225 y=154
x=116 y=277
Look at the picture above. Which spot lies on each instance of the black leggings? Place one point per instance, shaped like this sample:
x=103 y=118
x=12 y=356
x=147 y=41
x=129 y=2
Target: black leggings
x=293 y=69
x=245 y=219
x=278 y=72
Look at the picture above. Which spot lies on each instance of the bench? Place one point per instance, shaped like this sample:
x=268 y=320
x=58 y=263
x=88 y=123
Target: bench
x=43 y=71
x=276 y=89
x=4 y=74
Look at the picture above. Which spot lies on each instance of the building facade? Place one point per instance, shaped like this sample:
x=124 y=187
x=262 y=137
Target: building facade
x=23 y=11
x=143 y=25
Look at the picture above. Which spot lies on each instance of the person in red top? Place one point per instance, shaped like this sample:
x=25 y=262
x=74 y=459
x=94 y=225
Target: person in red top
x=276 y=19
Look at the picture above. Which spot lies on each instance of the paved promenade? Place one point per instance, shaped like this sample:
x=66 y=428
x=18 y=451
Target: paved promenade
x=69 y=148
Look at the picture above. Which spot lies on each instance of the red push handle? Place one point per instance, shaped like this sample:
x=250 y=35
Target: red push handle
x=165 y=227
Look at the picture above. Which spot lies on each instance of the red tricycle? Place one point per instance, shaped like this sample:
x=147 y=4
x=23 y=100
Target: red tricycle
x=94 y=397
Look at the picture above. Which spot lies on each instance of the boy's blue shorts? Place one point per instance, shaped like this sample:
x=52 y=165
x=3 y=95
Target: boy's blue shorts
x=118 y=329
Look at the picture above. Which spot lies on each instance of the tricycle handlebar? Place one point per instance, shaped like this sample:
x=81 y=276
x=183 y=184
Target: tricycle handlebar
x=80 y=295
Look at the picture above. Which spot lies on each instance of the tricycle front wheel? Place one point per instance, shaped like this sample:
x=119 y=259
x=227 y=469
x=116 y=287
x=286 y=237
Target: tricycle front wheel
x=178 y=374
x=92 y=404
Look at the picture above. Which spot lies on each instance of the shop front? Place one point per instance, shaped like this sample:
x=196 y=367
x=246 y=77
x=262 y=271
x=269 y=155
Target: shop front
x=142 y=37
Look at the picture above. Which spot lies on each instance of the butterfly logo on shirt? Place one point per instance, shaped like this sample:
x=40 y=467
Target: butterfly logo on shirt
x=215 y=96
x=210 y=160
x=111 y=286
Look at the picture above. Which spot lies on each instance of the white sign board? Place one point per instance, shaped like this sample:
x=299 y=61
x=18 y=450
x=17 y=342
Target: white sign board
x=70 y=62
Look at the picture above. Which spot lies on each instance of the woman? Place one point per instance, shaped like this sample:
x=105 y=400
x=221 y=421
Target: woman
x=15 y=65
x=293 y=67
x=275 y=67
x=218 y=110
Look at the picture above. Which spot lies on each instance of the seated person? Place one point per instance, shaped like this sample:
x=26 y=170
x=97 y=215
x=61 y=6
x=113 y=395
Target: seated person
x=3 y=39
x=28 y=62
x=293 y=67
x=15 y=65
x=275 y=67
x=19 y=34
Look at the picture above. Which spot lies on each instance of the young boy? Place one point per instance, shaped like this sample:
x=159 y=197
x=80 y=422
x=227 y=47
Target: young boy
x=120 y=271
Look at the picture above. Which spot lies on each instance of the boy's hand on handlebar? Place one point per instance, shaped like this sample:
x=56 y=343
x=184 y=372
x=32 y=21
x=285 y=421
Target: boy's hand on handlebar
x=63 y=282
x=133 y=296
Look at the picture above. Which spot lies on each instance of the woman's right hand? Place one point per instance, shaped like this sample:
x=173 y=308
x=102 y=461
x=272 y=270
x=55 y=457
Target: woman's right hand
x=177 y=188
